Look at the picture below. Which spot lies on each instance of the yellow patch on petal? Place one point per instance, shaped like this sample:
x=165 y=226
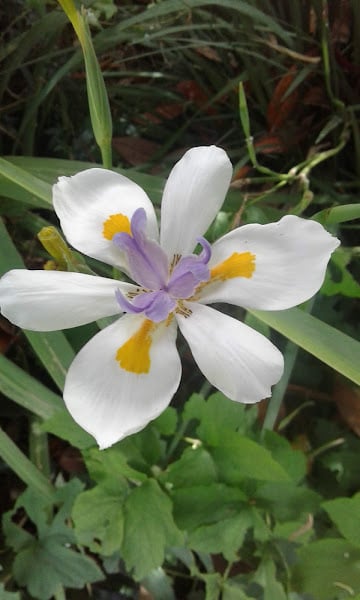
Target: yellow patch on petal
x=116 y=224
x=134 y=355
x=239 y=264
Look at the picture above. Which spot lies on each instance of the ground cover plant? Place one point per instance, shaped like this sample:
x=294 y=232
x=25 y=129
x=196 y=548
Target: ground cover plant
x=213 y=499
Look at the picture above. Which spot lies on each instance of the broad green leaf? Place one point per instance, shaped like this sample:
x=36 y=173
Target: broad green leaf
x=237 y=458
x=205 y=504
x=328 y=568
x=27 y=391
x=194 y=467
x=45 y=566
x=110 y=464
x=99 y=519
x=266 y=576
x=336 y=349
x=293 y=461
x=218 y=415
x=45 y=562
x=345 y=513
x=286 y=501
x=159 y=585
x=149 y=529
x=166 y=422
x=224 y=537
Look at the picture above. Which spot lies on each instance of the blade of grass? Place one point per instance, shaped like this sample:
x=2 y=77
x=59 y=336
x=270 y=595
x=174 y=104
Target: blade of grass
x=334 y=348
x=23 y=467
x=27 y=391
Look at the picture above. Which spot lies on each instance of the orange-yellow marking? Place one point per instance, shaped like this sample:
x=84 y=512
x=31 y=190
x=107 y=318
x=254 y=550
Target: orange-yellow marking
x=239 y=264
x=116 y=224
x=134 y=355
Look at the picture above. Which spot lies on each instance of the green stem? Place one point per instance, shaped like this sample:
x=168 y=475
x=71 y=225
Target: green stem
x=23 y=467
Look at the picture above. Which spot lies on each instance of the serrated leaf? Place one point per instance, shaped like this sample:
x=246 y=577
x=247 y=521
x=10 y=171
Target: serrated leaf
x=149 y=529
x=44 y=566
x=345 y=513
x=199 y=505
x=224 y=537
x=286 y=501
x=266 y=577
x=194 y=467
x=46 y=562
x=217 y=416
x=99 y=519
x=326 y=568
x=293 y=461
x=238 y=458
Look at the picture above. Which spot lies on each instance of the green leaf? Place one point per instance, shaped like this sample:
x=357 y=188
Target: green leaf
x=46 y=562
x=327 y=569
x=99 y=519
x=166 y=422
x=238 y=457
x=345 y=513
x=266 y=577
x=111 y=463
x=285 y=501
x=293 y=461
x=225 y=536
x=206 y=504
x=194 y=467
x=218 y=415
x=333 y=347
x=149 y=529
x=45 y=566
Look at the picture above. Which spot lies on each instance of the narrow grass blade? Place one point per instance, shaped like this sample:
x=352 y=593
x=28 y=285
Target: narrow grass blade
x=334 y=348
x=22 y=179
x=23 y=467
x=27 y=391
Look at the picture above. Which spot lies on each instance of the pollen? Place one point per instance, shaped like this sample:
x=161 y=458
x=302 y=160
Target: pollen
x=239 y=264
x=134 y=355
x=118 y=223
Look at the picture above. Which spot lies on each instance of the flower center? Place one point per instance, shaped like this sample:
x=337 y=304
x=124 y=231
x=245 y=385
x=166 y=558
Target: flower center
x=163 y=286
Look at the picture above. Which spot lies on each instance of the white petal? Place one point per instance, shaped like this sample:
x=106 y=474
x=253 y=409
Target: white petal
x=52 y=300
x=85 y=201
x=194 y=192
x=110 y=402
x=291 y=257
x=239 y=361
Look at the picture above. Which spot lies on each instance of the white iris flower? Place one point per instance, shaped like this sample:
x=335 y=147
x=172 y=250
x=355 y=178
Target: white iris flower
x=126 y=375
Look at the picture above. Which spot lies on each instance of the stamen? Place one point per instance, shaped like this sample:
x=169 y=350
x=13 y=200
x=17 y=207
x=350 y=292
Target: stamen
x=134 y=355
x=118 y=223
